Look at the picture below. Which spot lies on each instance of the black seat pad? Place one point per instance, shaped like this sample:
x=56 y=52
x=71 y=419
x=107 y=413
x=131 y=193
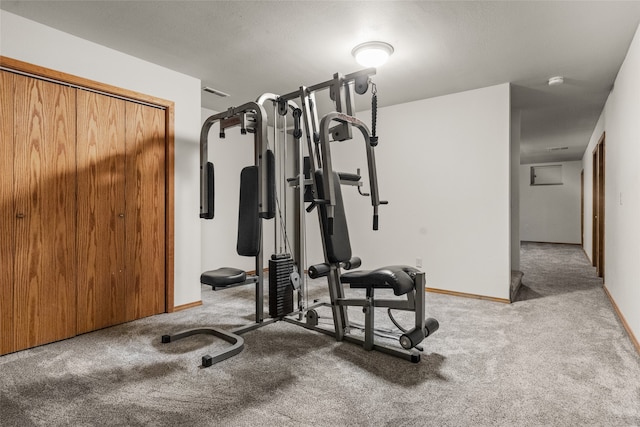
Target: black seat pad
x=223 y=277
x=397 y=277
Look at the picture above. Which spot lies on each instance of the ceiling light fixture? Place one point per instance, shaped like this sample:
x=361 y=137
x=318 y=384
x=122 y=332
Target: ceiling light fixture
x=215 y=91
x=372 y=54
x=557 y=80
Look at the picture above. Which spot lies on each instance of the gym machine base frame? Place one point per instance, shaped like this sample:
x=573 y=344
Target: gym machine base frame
x=237 y=343
x=412 y=356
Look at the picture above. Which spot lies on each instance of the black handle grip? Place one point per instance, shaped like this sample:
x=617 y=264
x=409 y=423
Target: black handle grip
x=375 y=221
x=210 y=196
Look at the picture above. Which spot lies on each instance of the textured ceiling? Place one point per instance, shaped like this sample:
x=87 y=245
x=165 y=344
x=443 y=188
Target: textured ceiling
x=246 y=48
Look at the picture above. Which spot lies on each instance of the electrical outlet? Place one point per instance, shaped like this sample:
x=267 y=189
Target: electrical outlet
x=419 y=262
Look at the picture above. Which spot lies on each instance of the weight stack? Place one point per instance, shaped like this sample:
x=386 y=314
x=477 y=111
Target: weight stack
x=280 y=288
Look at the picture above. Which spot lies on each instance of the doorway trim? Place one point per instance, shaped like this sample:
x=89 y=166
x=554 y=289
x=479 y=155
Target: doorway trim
x=598 y=207
x=582 y=208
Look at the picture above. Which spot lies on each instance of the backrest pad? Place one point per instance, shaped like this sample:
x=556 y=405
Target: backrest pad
x=271 y=185
x=337 y=244
x=249 y=224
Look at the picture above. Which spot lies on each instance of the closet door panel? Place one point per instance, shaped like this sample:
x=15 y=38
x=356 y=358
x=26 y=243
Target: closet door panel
x=45 y=190
x=101 y=208
x=7 y=213
x=145 y=211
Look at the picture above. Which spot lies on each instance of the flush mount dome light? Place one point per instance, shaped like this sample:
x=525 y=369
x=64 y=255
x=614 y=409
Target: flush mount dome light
x=372 y=54
x=555 y=81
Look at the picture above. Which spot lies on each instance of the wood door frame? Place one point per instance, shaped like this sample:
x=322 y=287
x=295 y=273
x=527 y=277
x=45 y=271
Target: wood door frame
x=25 y=68
x=7 y=222
x=582 y=208
x=594 y=207
x=598 y=206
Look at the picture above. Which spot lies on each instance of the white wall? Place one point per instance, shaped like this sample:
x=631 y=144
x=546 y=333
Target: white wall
x=551 y=213
x=32 y=42
x=622 y=187
x=444 y=166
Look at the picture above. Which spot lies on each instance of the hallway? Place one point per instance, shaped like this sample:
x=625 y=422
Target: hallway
x=553 y=269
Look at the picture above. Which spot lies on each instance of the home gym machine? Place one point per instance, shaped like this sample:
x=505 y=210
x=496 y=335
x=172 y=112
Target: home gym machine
x=317 y=184
x=326 y=187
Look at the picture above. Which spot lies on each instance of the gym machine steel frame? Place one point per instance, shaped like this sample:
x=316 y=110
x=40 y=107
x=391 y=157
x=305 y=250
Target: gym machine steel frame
x=251 y=117
x=342 y=90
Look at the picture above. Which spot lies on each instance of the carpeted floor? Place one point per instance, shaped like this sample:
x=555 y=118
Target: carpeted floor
x=557 y=356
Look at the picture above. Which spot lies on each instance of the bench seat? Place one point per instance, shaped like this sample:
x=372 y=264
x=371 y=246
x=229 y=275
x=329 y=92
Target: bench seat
x=222 y=277
x=400 y=278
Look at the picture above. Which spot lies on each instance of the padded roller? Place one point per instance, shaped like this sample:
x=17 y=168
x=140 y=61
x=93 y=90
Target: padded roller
x=431 y=325
x=415 y=336
x=319 y=270
x=354 y=262
x=412 y=338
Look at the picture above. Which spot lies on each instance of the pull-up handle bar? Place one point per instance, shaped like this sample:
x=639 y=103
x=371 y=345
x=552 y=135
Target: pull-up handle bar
x=361 y=79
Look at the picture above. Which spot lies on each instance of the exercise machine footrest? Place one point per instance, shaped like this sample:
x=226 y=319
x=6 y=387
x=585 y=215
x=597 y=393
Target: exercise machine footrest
x=237 y=343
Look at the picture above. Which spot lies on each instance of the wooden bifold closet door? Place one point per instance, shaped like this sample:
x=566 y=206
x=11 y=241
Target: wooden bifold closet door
x=145 y=211
x=44 y=195
x=7 y=213
x=82 y=192
x=120 y=211
x=101 y=209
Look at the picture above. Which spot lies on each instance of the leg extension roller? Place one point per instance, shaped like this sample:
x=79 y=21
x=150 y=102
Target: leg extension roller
x=412 y=338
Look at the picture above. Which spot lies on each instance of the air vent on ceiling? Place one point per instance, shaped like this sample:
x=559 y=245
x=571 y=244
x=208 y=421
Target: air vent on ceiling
x=557 y=148
x=215 y=91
